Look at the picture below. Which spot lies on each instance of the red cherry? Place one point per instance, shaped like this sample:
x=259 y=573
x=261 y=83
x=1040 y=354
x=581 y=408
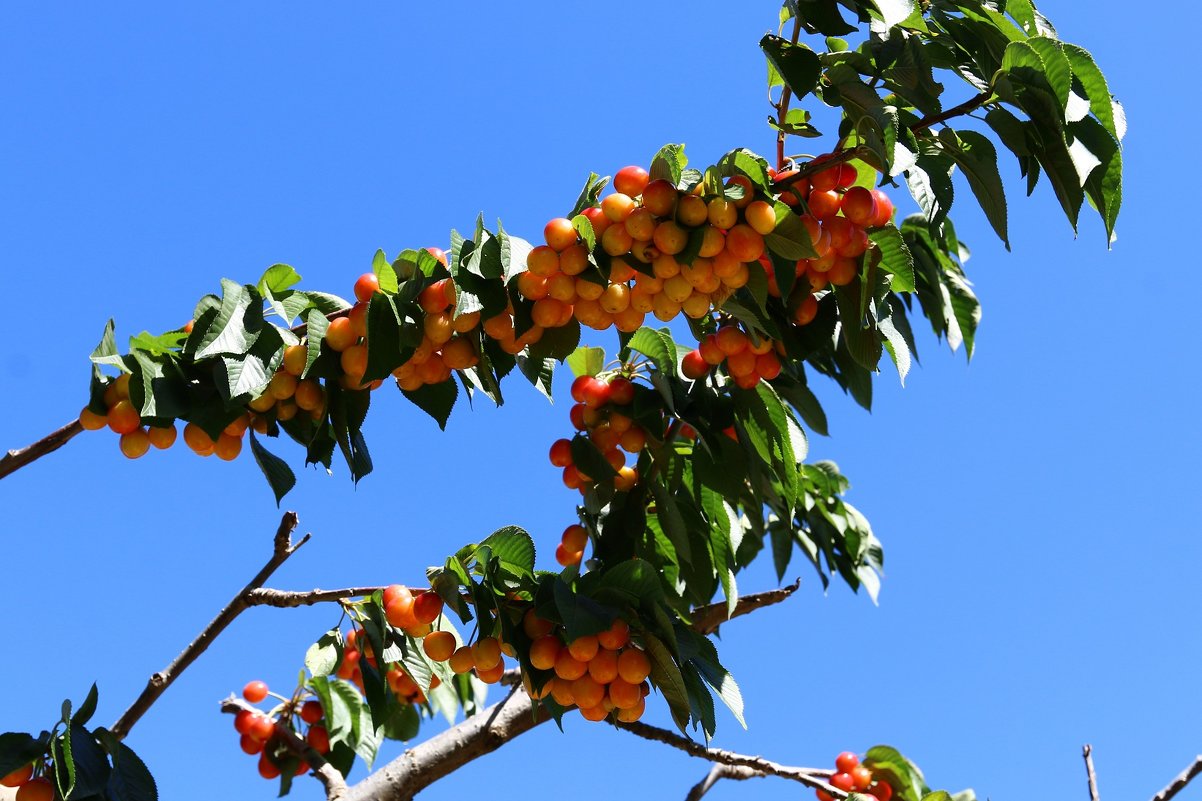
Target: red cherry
x=250 y=745
x=631 y=180
x=882 y=790
x=561 y=453
x=846 y=761
x=694 y=365
x=367 y=285
x=254 y=691
x=843 y=781
x=311 y=711
x=884 y=209
x=596 y=393
x=576 y=415
x=243 y=720
x=863 y=777
x=427 y=606
x=268 y=769
x=578 y=387
x=262 y=727
x=319 y=739
x=621 y=391
x=859 y=206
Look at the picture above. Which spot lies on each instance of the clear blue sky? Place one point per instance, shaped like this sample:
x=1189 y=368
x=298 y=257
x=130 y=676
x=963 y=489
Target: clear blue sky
x=1039 y=508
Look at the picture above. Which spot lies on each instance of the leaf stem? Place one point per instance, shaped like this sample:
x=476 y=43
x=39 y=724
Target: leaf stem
x=782 y=107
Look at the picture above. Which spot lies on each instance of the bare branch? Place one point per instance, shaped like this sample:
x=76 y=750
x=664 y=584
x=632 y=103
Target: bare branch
x=707 y=619
x=284 y=599
x=1087 y=753
x=717 y=772
x=1178 y=784
x=14 y=460
x=159 y=682
x=424 y=764
x=810 y=777
x=332 y=780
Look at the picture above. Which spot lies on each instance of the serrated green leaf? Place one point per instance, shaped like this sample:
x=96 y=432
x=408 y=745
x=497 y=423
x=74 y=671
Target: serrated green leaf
x=797 y=64
x=278 y=278
x=668 y=164
x=277 y=472
x=436 y=400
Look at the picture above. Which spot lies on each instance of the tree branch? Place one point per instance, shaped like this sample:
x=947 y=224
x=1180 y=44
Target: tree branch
x=1178 y=784
x=1087 y=754
x=972 y=104
x=284 y=599
x=424 y=764
x=16 y=459
x=718 y=772
x=329 y=777
x=159 y=682
x=707 y=619
x=810 y=777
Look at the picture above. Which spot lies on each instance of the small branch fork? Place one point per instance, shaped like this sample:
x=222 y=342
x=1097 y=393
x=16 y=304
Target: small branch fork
x=1175 y=786
x=159 y=682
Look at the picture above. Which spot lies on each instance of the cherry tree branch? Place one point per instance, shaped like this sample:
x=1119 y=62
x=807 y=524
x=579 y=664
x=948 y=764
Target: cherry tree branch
x=810 y=777
x=330 y=778
x=446 y=752
x=782 y=108
x=707 y=619
x=14 y=460
x=283 y=547
x=1178 y=784
x=485 y=732
x=1087 y=755
x=718 y=772
x=285 y=599
x=972 y=104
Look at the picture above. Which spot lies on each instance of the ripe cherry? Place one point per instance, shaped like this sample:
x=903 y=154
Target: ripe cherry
x=846 y=761
x=39 y=789
x=843 y=781
x=631 y=180
x=882 y=790
x=561 y=453
x=694 y=365
x=18 y=777
x=255 y=691
x=427 y=606
x=596 y=393
x=859 y=206
x=621 y=391
x=559 y=233
x=311 y=711
x=863 y=777
x=366 y=285
x=319 y=739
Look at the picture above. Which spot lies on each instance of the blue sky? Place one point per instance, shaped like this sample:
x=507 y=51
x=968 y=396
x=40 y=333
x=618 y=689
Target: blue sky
x=1038 y=507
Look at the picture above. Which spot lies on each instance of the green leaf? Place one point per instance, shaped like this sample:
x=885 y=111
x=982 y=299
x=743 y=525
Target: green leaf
x=580 y=614
x=1094 y=83
x=18 y=749
x=796 y=64
x=668 y=164
x=158 y=345
x=894 y=12
x=904 y=776
x=322 y=657
x=383 y=340
x=789 y=238
x=632 y=582
x=665 y=674
x=86 y=709
x=586 y=361
x=557 y=343
x=590 y=461
x=92 y=771
x=513 y=546
x=385 y=273
x=589 y=196
x=277 y=472
x=316 y=325
x=896 y=259
x=1104 y=183
x=436 y=400
x=658 y=346
x=744 y=162
x=130 y=779
x=236 y=325
x=976 y=156
x=105 y=351
x=278 y=278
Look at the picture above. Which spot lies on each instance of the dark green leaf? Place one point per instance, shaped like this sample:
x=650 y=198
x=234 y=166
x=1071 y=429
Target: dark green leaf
x=436 y=400
x=277 y=472
x=797 y=64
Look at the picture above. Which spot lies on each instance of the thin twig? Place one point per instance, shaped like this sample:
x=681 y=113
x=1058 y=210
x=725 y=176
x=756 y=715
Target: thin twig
x=1087 y=753
x=810 y=777
x=159 y=682
x=334 y=783
x=782 y=108
x=717 y=773
x=707 y=619
x=16 y=459
x=972 y=104
x=1177 y=784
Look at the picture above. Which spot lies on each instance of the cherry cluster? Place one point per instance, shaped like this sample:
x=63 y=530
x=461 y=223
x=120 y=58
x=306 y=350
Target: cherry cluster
x=601 y=675
x=602 y=413
x=262 y=731
x=852 y=777
x=748 y=358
